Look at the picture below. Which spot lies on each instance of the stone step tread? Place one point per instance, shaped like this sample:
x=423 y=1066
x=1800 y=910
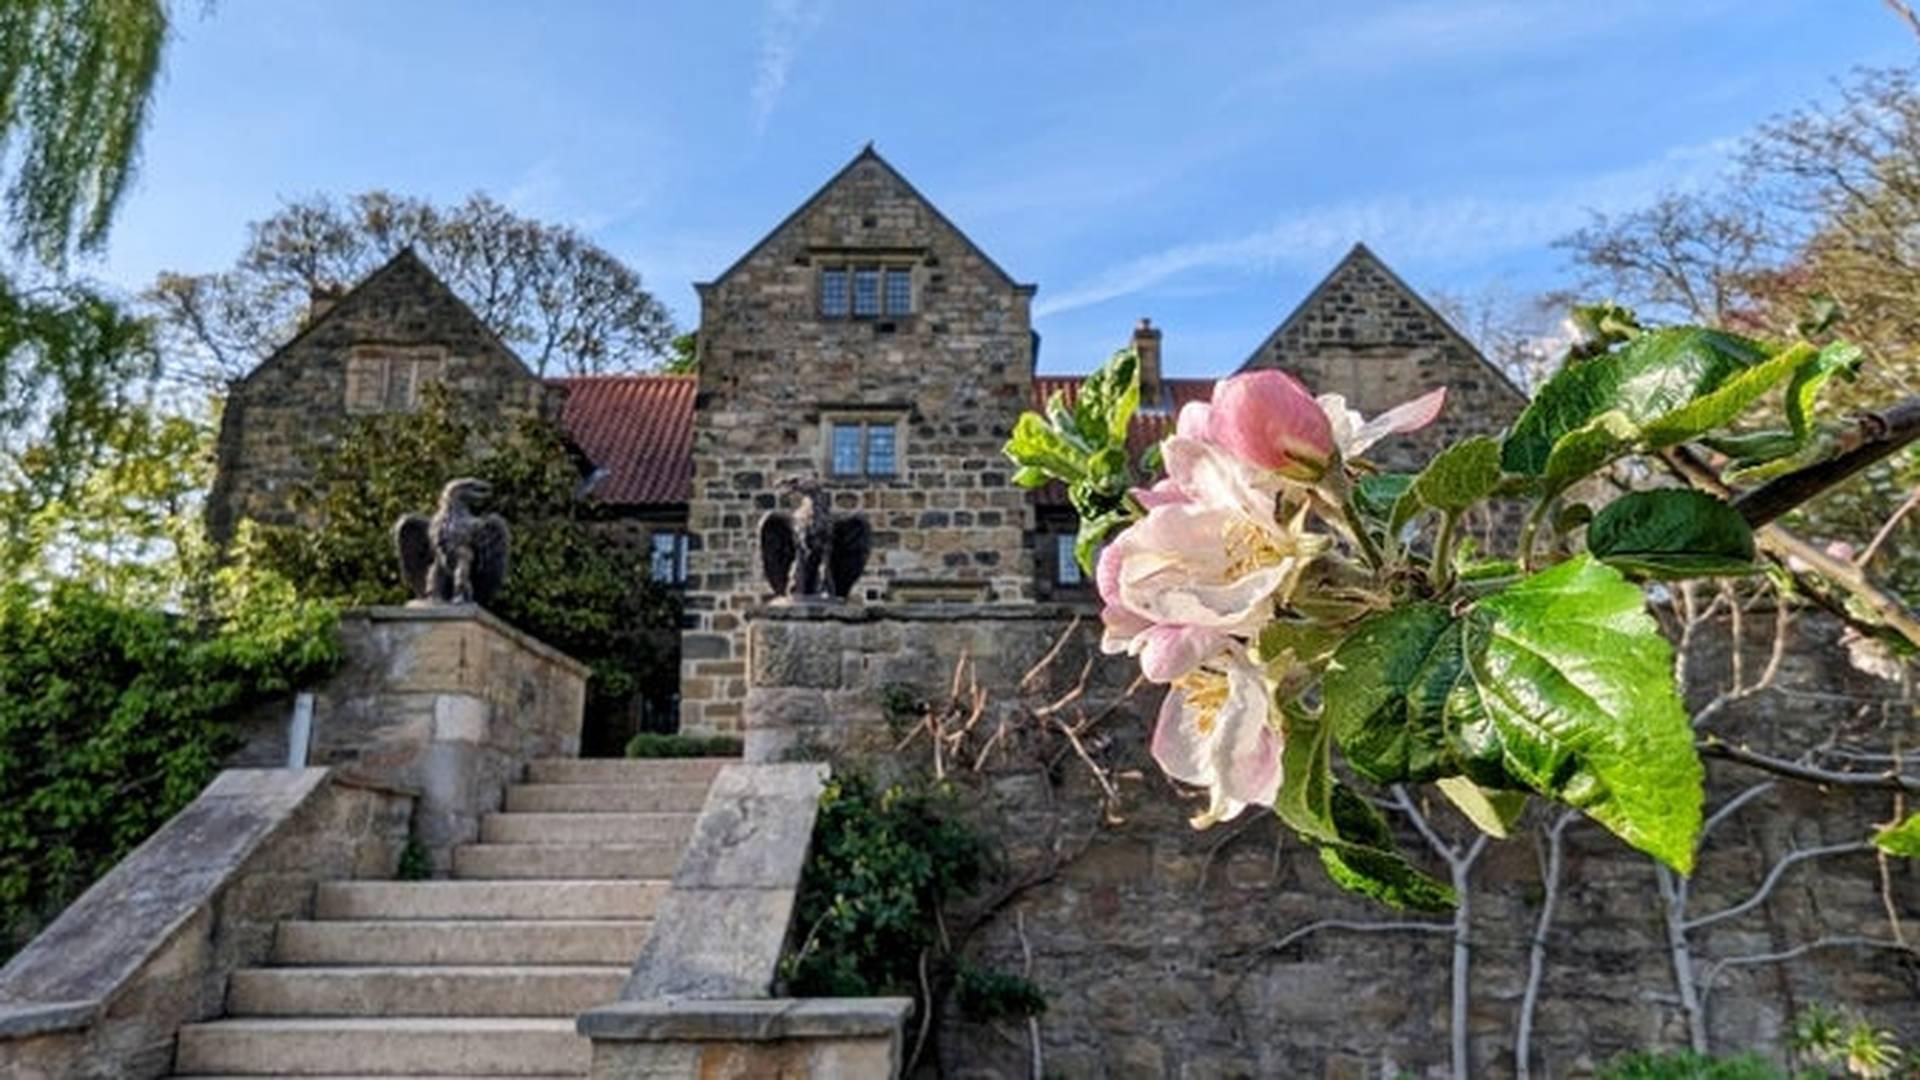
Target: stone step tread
x=377 y=1076
x=402 y=1046
x=525 y=899
x=625 y=770
x=355 y=942
x=450 y=990
x=601 y=798
x=565 y=828
x=598 y=862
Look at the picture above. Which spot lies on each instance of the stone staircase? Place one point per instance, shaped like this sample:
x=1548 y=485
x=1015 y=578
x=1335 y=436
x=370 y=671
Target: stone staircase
x=482 y=974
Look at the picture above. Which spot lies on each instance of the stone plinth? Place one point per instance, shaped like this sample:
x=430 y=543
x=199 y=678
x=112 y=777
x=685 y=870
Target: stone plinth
x=448 y=701
x=809 y=1039
x=820 y=676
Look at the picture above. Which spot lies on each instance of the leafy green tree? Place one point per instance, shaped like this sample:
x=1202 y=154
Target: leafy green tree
x=686 y=356
x=565 y=303
x=569 y=584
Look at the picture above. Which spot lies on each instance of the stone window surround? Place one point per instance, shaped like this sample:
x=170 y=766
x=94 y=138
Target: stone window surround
x=374 y=364
x=848 y=260
x=866 y=416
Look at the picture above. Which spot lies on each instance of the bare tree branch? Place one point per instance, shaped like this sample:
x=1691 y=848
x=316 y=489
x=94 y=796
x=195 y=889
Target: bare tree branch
x=1779 y=869
x=1906 y=12
x=1715 y=746
x=1874 y=438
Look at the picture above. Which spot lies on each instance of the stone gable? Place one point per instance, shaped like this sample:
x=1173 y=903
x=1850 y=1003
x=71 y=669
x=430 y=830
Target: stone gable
x=1364 y=333
x=374 y=350
x=950 y=377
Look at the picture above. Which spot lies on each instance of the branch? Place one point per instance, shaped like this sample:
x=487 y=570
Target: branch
x=1339 y=924
x=1878 y=434
x=1905 y=12
x=1779 y=870
x=1850 y=941
x=1889 y=780
x=1886 y=610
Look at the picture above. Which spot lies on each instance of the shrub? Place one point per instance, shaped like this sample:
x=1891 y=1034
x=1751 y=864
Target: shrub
x=113 y=716
x=985 y=995
x=1687 y=1065
x=650 y=745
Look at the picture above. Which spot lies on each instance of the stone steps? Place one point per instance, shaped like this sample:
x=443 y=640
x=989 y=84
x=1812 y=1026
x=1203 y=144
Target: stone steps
x=681 y=796
x=511 y=990
x=629 y=771
x=409 y=1046
x=597 y=862
x=576 y=828
x=480 y=975
x=482 y=899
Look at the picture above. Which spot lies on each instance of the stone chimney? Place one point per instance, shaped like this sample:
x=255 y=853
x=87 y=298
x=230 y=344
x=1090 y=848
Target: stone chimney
x=1146 y=345
x=320 y=300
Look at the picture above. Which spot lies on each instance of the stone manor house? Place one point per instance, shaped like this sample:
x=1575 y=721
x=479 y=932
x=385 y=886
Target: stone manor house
x=865 y=339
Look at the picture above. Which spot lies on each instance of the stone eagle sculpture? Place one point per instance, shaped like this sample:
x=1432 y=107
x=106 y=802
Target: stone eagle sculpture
x=457 y=556
x=809 y=553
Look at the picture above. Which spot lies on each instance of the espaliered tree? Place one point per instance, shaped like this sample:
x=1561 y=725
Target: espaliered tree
x=1304 y=607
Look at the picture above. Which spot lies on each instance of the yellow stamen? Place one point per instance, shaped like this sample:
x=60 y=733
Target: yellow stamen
x=1204 y=693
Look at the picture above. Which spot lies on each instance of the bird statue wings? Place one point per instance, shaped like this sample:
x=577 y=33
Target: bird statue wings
x=809 y=553
x=456 y=556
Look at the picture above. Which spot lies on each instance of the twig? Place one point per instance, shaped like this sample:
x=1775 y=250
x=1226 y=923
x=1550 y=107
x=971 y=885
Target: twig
x=1849 y=941
x=1905 y=12
x=1550 y=872
x=1714 y=746
x=1886 y=529
x=1774 y=874
x=1040 y=666
x=1878 y=436
x=1352 y=925
x=1037 y=1065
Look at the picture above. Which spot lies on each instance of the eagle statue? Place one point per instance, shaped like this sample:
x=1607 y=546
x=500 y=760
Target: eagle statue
x=809 y=553
x=457 y=556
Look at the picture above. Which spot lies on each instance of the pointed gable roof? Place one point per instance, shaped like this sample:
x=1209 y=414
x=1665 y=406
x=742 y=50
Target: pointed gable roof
x=407 y=275
x=866 y=154
x=1419 y=323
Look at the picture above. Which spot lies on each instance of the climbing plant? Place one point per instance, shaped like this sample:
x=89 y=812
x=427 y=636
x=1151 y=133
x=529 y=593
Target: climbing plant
x=1303 y=605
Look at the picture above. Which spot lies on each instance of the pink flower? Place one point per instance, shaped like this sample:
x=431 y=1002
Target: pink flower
x=1354 y=434
x=1214 y=732
x=1268 y=420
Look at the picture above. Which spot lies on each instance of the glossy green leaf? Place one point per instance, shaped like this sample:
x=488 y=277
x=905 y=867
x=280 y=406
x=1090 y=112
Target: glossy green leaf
x=1576 y=683
x=1375 y=494
x=1385 y=692
x=1585 y=450
x=1038 y=445
x=1672 y=533
x=1492 y=811
x=1902 y=839
x=1304 y=803
x=1455 y=479
x=1364 y=860
x=1031 y=476
x=1674 y=383
x=1103 y=411
x=1307 y=642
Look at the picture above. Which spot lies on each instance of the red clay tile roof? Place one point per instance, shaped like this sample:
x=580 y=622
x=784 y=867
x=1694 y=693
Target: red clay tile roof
x=637 y=427
x=1150 y=425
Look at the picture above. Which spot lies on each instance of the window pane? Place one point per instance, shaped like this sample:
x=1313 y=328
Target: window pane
x=846 y=450
x=399 y=384
x=668 y=562
x=1066 y=570
x=833 y=291
x=899 y=291
x=880 y=450
x=866 y=290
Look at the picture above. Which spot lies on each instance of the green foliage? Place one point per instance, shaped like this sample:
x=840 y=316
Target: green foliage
x=1839 y=1041
x=113 y=717
x=649 y=744
x=1671 y=534
x=1687 y=1065
x=683 y=355
x=884 y=861
x=1084 y=446
x=75 y=79
x=984 y=995
x=568 y=584
x=415 y=864
x=1902 y=839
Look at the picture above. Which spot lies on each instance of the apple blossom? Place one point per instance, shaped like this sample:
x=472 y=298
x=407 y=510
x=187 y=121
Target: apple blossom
x=1214 y=732
x=1269 y=420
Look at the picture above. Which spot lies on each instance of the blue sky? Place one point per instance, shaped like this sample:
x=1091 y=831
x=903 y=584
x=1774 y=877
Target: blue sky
x=1203 y=164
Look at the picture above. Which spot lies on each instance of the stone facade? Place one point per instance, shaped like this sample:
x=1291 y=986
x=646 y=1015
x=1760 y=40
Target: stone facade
x=1150 y=938
x=949 y=378
x=375 y=349
x=1365 y=334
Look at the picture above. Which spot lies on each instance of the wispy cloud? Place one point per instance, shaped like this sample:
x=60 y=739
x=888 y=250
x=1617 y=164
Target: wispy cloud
x=783 y=30
x=1435 y=230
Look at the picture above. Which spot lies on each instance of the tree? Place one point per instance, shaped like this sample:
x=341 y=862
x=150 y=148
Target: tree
x=75 y=80
x=1687 y=256
x=565 y=303
x=686 y=356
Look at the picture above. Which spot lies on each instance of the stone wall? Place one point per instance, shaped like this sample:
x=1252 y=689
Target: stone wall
x=447 y=701
x=400 y=326
x=100 y=993
x=1150 y=938
x=1364 y=334
x=773 y=373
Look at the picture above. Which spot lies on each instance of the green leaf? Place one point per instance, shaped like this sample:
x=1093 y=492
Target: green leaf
x=1455 y=479
x=1031 y=476
x=1902 y=839
x=1103 y=411
x=1037 y=445
x=1375 y=493
x=1672 y=534
x=1493 y=812
x=1585 y=450
x=1576 y=683
x=1093 y=533
x=1304 y=803
x=1385 y=692
x=1673 y=384
x=1364 y=860
x=1306 y=641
